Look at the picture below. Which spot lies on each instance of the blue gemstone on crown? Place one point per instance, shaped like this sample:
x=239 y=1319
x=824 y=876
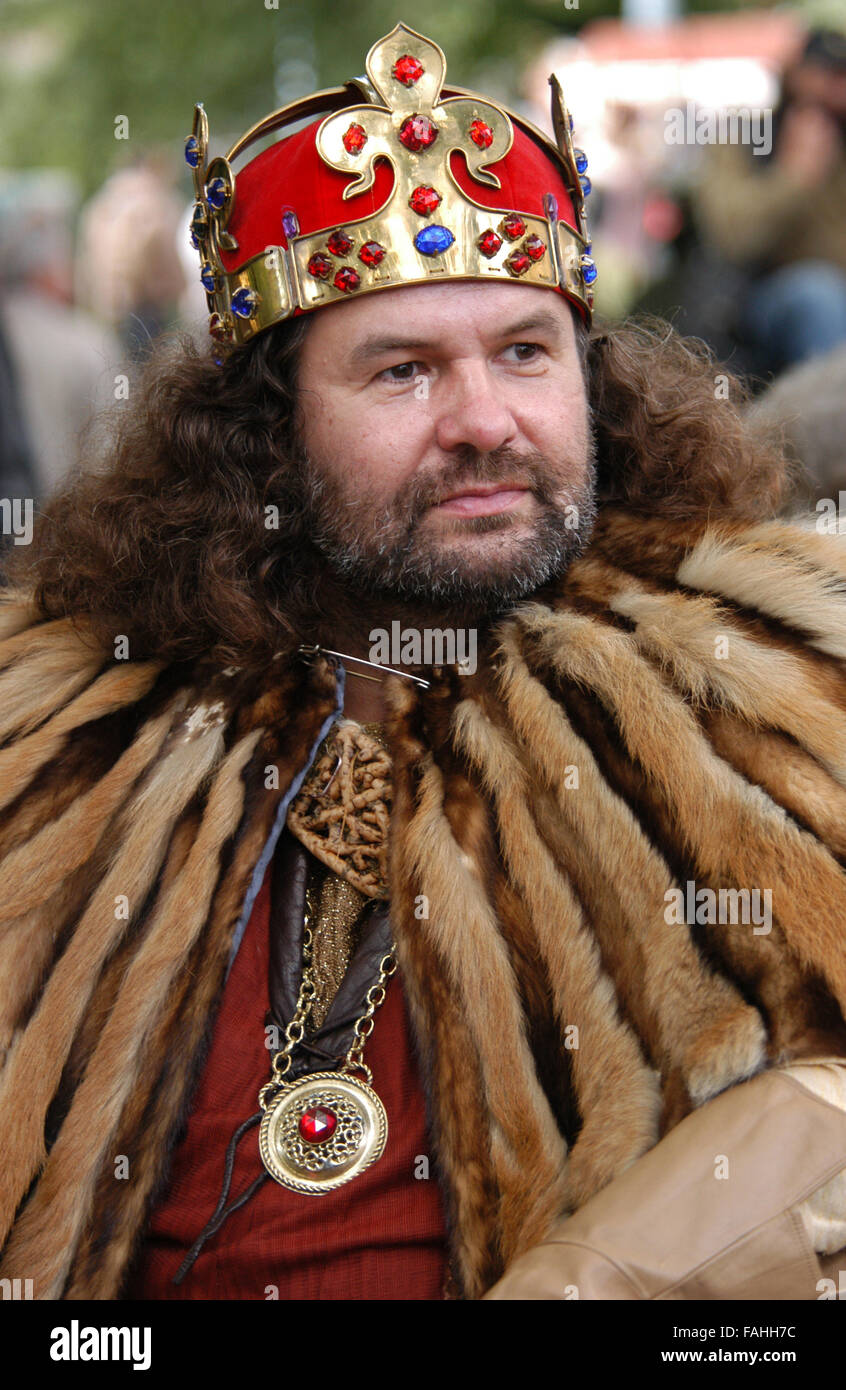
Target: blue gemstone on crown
x=586 y=185
x=244 y=302
x=216 y=193
x=199 y=225
x=581 y=160
x=290 y=225
x=431 y=241
x=192 y=151
x=207 y=277
x=588 y=270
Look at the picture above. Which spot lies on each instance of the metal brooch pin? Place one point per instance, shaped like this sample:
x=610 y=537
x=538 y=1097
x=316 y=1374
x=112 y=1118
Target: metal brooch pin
x=313 y=649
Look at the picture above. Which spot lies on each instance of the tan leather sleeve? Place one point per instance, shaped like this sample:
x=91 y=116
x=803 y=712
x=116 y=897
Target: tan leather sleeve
x=712 y=1211
x=824 y=1212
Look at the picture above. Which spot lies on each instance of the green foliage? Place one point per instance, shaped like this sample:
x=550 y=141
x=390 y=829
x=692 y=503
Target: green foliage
x=69 y=68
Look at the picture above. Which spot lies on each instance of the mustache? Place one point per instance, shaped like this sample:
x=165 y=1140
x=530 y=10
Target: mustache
x=425 y=490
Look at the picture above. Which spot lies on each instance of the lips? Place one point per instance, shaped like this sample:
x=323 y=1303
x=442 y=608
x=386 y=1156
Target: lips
x=483 y=499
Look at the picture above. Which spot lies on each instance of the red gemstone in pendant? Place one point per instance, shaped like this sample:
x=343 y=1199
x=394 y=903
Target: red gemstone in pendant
x=518 y=263
x=417 y=133
x=347 y=279
x=320 y=266
x=424 y=199
x=481 y=134
x=372 y=252
x=489 y=243
x=534 y=247
x=354 y=138
x=512 y=226
x=408 y=70
x=339 y=243
x=318 y=1124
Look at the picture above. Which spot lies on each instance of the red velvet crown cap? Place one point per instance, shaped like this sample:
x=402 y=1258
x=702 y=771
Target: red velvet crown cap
x=291 y=174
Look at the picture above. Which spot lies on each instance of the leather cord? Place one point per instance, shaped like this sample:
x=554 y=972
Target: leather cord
x=221 y=1211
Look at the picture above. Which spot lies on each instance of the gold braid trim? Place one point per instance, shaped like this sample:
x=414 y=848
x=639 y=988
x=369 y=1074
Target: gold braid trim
x=335 y=909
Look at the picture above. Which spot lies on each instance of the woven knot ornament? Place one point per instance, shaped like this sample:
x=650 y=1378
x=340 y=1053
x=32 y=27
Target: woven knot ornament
x=342 y=811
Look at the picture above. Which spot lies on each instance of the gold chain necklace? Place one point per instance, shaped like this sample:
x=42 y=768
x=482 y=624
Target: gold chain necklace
x=323 y=1130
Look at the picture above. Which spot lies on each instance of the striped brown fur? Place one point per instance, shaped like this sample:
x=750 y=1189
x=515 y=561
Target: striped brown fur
x=543 y=901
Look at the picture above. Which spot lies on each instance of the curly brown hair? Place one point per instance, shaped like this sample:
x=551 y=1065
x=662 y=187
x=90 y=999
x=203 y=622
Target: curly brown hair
x=165 y=538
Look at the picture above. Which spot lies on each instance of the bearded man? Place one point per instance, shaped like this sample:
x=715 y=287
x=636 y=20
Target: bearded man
x=514 y=970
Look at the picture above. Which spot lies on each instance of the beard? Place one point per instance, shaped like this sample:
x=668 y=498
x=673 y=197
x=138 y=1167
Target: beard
x=383 y=550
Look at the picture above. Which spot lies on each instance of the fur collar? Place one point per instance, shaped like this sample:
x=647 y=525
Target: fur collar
x=673 y=712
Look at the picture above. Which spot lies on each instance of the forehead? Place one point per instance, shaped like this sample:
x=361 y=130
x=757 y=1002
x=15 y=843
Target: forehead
x=442 y=314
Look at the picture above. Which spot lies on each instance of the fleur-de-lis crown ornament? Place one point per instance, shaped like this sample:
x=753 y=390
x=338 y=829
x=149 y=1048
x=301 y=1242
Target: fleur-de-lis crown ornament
x=404 y=182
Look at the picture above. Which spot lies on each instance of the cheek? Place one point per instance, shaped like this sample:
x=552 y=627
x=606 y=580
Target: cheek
x=376 y=451
x=322 y=424
x=336 y=441
x=567 y=431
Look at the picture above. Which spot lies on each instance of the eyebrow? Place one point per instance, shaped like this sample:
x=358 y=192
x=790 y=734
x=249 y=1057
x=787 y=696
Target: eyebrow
x=375 y=345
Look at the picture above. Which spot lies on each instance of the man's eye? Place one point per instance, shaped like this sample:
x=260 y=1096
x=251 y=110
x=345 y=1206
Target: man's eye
x=405 y=371
x=533 y=348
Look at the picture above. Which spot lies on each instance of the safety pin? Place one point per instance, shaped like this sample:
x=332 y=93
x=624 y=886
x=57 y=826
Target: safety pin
x=314 y=650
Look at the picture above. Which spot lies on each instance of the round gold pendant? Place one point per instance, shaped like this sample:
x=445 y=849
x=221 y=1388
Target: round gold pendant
x=322 y=1131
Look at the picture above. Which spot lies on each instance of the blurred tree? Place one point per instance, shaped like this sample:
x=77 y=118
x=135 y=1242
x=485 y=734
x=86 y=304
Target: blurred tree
x=70 y=69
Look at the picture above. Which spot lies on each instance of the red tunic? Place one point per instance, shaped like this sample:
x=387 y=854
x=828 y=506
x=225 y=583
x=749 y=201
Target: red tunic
x=380 y=1236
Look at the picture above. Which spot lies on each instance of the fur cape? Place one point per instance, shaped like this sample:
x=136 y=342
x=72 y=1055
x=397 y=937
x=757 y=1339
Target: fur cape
x=673 y=711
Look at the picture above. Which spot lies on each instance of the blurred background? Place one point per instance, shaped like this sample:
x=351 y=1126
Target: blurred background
x=716 y=145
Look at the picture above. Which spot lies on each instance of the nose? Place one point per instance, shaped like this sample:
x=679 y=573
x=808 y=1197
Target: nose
x=471 y=408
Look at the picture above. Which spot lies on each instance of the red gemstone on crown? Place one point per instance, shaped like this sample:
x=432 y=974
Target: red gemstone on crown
x=408 y=70
x=339 y=243
x=354 y=138
x=318 y=1124
x=481 y=134
x=512 y=226
x=372 y=252
x=424 y=199
x=489 y=243
x=518 y=263
x=347 y=279
x=417 y=133
x=219 y=328
x=535 y=247
x=320 y=266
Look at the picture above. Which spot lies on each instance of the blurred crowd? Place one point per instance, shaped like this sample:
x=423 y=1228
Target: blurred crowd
x=740 y=243
x=759 y=263
x=83 y=294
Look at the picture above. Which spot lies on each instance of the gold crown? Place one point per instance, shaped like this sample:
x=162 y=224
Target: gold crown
x=407 y=118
